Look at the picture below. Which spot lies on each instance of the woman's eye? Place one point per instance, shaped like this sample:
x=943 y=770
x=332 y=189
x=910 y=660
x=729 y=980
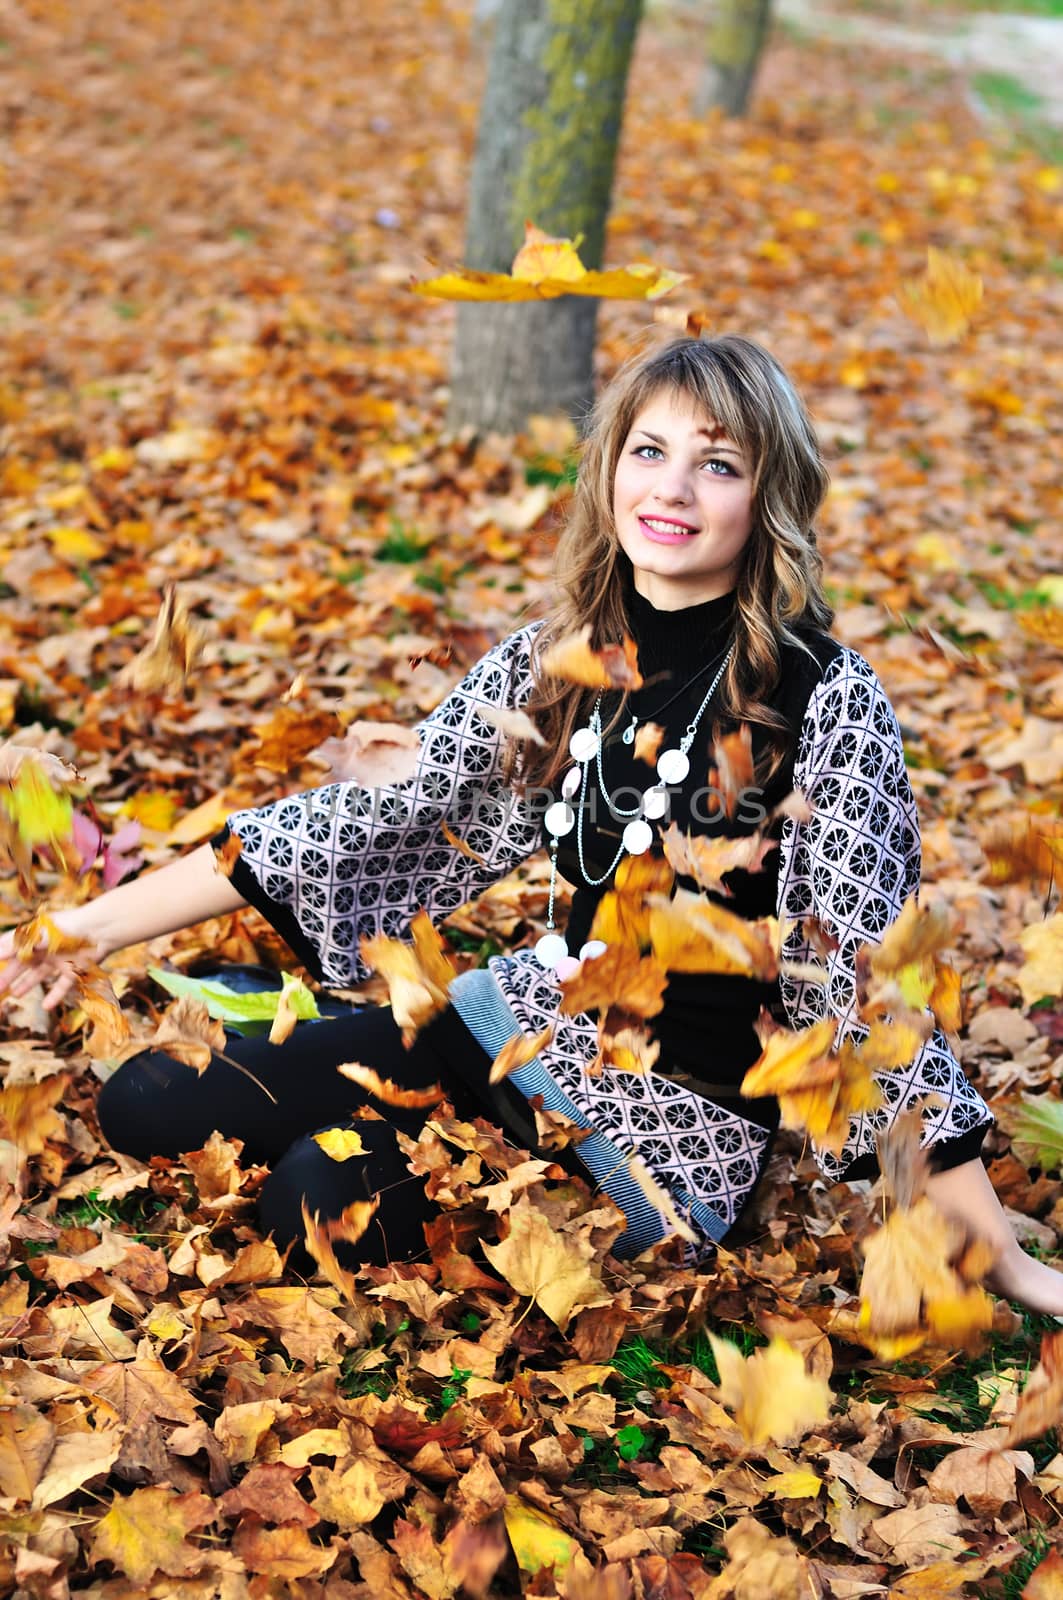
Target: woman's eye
x=725 y=466
x=643 y=449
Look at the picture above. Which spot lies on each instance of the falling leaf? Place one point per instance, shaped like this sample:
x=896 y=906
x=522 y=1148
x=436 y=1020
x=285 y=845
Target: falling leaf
x=389 y=1092
x=944 y=299
x=612 y=667
x=373 y=754
x=618 y=973
x=546 y=267
x=517 y=1052
x=1032 y=848
x=551 y=1268
x=772 y=1395
x=287 y=1014
x=706 y=860
x=417 y=977
x=660 y=1200
x=1040 y=1405
x=459 y=844
x=110 y=1025
x=340 y=1144
x=321 y=1238
x=910 y=1283
x=692 y=934
x=228 y=854
x=187 y=1032
x=732 y=773
x=165 y=664
x=515 y=724
x=27 y=1113
x=40 y=813
x=648 y=739
x=1045 y=625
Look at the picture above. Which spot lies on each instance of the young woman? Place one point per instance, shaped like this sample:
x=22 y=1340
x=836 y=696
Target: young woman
x=691 y=530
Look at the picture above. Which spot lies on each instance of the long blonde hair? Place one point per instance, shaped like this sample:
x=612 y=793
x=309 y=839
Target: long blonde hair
x=747 y=394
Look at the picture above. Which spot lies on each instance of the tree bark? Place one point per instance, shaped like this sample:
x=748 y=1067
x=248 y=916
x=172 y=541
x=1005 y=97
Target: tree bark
x=736 y=40
x=546 y=152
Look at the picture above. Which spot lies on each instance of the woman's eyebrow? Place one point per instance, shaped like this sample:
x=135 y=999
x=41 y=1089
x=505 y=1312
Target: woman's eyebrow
x=722 y=449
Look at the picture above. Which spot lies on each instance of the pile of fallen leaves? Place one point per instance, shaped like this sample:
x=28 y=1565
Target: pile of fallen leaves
x=236 y=532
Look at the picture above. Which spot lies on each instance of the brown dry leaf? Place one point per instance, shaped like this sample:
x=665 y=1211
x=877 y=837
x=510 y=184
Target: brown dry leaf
x=268 y=1492
x=944 y=299
x=77 y=1459
x=554 y=1270
x=1040 y=1405
x=517 y=1052
x=619 y=973
x=373 y=754
x=188 y=1033
x=732 y=772
x=321 y=1239
x=388 y=1092
x=661 y=1200
x=903 y=1159
x=1032 y=848
x=165 y=664
x=26 y=1441
x=1046 y=1580
x=910 y=1285
x=624 y=1046
x=27 y=1113
x=356 y=1496
x=283 y=1554
x=986 y=1479
x=110 y=1025
x=147 y=1532
x=759 y=1565
x=611 y=667
x=215 y=1167
x=818 y=1091
x=459 y=844
x=773 y=1396
x=706 y=860
x=514 y=724
x=648 y=738
x=241 y=1428
x=228 y=854
x=418 y=976
x=554 y=1130
x=286 y=1016
x=692 y=934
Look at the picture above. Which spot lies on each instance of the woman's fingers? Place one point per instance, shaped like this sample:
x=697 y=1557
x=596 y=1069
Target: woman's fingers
x=58 y=991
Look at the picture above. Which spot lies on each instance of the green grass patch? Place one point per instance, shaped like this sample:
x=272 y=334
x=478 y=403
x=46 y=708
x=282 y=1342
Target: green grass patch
x=402 y=544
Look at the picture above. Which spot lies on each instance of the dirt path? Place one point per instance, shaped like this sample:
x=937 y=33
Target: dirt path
x=1027 y=49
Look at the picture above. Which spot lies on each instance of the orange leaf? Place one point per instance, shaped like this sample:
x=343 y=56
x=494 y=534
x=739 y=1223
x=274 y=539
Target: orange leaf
x=944 y=299
x=390 y=1093
x=320 y=1239
x=692 y=934
x=166 y=661
x=619 y=972
x=417 y=977
x=612 y=667
x=706 y=860
x=546 y=267
x=517 y=1052
x=648 y=739
x=733 y=758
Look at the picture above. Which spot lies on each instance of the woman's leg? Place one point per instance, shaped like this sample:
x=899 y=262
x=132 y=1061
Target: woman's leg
x=965 y=1194
x=268 y=1095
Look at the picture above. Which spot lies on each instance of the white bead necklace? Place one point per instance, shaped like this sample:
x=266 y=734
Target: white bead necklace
x=585 y=747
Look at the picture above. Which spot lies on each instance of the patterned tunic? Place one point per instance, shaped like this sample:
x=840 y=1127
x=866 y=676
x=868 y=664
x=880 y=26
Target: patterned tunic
x=342 y=861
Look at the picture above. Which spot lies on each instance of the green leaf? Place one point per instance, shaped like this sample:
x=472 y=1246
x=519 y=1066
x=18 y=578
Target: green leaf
x=1037 y=1128
x=227 y=1005
x=630 y=1442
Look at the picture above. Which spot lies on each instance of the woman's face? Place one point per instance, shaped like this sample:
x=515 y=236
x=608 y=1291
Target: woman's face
x=682 y=504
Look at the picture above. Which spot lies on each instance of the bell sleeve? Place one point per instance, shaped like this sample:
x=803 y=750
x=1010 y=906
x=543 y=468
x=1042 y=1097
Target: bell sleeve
x=853 y=865
x=330 y=865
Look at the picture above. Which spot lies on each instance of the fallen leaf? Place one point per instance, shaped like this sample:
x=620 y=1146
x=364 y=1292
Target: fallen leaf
x=376 y=755
x=773 y=1397
x=146 y=1532
x=552 y=1269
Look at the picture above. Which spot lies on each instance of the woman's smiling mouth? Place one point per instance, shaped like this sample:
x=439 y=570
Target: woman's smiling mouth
x=664 y=530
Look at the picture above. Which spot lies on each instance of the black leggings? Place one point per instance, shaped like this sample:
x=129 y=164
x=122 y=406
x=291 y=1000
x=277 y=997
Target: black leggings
x=156 y=1106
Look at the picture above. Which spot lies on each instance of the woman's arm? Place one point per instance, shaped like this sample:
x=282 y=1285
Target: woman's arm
x=185 y=891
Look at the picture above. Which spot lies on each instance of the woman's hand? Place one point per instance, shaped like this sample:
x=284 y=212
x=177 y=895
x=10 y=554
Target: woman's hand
x=52 y=951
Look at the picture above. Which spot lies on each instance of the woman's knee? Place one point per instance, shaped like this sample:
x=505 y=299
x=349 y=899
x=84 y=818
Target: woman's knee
x=132 y=1107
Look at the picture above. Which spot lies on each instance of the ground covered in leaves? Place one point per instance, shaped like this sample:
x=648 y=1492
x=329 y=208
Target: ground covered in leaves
x=215 y=377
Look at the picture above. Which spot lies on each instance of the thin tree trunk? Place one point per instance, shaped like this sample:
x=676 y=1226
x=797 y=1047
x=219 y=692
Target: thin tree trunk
x=546 y=151
x=736 y=40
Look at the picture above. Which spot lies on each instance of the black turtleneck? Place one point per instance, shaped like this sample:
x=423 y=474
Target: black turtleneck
x=706 y=1028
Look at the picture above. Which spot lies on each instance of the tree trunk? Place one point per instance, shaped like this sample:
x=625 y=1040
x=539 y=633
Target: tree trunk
x=736 y=39
x=545 y=153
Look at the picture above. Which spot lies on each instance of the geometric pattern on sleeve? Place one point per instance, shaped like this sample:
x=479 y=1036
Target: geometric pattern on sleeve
x=853 y=865
x=349 y=861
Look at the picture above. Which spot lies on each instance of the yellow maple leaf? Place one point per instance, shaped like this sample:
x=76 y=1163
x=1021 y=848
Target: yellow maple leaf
x=76 y=545
x=553 y=1269
x=911 y=1287
x=1041 y=974
x=818 y=1089
x=546 y=267
x=538 y=1541
x=339 y=1144
x=692 y=934
x=772 y=1394
x=944 y=299
x=147 y=1532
